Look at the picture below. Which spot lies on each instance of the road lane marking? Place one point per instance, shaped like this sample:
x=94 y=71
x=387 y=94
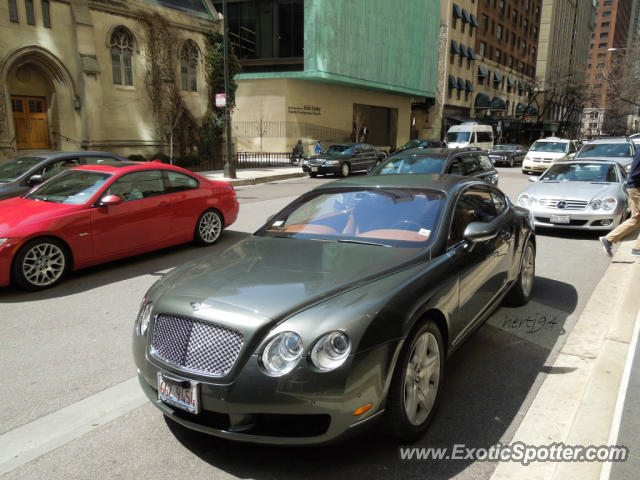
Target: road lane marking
x=41 y=436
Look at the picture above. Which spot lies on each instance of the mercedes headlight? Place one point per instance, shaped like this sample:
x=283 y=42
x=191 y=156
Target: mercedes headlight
x=282 y=354
x=596 y=204
x=526 y=200
x=144 y=316
x=331 y=351
x=609 y=203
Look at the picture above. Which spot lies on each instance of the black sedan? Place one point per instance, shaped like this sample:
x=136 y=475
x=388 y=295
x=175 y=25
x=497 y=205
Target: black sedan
x=20 y=174
x=340 y=311
x=469 y=162
x=342 y=159
x=509 y=154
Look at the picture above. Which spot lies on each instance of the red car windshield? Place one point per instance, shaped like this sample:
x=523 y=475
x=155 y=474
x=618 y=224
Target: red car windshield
x=73 y=187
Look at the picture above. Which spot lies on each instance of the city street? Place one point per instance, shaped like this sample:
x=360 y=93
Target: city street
x=63 y=348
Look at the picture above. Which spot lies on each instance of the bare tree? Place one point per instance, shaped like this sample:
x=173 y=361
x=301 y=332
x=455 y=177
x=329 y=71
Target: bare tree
x=261 y=124
x=358 y=121
x=623 y=87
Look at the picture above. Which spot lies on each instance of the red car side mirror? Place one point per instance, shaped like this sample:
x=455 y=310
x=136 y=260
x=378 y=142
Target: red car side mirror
x=109 y=200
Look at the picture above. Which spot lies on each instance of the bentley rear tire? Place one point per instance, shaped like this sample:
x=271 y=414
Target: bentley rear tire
x=417 y=382
x=522 y=290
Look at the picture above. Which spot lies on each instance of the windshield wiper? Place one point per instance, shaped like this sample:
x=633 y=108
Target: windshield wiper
x=362 y=242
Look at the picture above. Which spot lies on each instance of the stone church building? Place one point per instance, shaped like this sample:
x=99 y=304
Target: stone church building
x=73 y=72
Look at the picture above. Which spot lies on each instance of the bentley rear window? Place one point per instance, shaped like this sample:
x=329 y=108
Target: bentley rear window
x=383 y=216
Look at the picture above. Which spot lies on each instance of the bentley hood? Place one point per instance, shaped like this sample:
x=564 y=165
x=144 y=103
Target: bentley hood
x=273 y=277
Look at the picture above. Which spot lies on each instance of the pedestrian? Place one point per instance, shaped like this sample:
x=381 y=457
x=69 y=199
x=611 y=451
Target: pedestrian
x=297 y=154
x=364 y=133
x=318 y=148
x=633 y=222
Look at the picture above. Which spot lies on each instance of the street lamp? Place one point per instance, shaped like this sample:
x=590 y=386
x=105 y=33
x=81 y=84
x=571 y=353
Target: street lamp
x=229 y=167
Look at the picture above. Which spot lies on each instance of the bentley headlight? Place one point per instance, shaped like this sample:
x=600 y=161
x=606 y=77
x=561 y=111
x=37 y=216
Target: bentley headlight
x=331 y=351
x=282 y=354
x=332 y=162
x=609 y=203
x=144 y=316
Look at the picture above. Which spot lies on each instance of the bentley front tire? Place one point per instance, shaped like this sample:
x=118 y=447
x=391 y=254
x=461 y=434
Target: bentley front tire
x=417 y=382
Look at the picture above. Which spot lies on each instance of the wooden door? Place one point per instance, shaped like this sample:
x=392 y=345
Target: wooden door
x=30 y=122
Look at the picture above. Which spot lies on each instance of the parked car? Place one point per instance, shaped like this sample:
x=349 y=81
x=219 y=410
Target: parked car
x=421 y=143
x=620 y=149
x=19 y=175
x=95 y=214
x=509 y=154
x=470 y=134
x=546 y=151
x=455 y=161
x=579 y=194
x=341 y=309
x=343 y=159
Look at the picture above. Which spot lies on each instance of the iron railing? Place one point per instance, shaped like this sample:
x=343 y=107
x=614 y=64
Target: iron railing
x=245 y=160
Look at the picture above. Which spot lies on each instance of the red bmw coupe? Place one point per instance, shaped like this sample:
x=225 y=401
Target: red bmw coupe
x=94 y=214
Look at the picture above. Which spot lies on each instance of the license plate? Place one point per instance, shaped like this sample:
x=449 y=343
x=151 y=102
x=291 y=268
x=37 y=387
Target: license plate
x=560 y=219
x=314 y=169
x=183 y=395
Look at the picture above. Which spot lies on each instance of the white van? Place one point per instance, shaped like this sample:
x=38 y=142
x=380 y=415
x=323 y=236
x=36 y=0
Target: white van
x=470 y=134
x=546 y=151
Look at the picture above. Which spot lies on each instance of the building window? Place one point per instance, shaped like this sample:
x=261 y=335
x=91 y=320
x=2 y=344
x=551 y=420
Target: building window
x=13 y=11
x=605 y=24
x=482 y=46
x=121 y=52
x=600 y=66
x=591 y=46
x=602 y=45
x=189 y=66
x=510 y=62
x=606 y=14
x=46 y=14
x=485 y=23
x=608 y=3
x=499 y=32
x=498 y=55
x=602 y=55
x=28 y=6
x=604 y=35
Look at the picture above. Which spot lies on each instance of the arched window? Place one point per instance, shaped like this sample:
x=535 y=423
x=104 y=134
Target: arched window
x=121 y=44
x=189 y=66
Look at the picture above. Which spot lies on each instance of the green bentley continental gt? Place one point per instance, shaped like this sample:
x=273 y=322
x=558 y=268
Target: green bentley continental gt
x=340 y=311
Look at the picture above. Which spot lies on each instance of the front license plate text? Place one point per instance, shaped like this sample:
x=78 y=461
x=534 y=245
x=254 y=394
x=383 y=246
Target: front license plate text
x=180 y=396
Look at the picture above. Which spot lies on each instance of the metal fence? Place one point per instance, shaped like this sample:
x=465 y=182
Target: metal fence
x=245 y=160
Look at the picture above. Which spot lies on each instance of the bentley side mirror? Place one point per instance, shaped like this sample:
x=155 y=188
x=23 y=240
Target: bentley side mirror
x=534 y=178
x=479 y=232
x=35 y=180
x=110 y=200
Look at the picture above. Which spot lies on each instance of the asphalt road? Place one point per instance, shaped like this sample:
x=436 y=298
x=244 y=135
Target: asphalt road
x=66 y=357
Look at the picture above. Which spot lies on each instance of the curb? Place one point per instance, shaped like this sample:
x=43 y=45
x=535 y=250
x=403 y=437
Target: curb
x=576 y=407
x=256 y=180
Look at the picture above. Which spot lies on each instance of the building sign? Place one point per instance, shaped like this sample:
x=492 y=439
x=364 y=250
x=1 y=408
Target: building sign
x=221 y=99
x=304 y=110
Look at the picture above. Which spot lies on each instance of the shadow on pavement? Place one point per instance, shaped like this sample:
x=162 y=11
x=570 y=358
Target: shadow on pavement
x=153 y=263
x=489 y=380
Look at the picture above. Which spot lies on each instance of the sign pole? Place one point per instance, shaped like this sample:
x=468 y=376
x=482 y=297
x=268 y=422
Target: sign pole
x=229 y=167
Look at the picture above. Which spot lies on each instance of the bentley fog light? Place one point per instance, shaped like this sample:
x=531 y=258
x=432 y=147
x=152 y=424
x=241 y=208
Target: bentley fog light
x=144 y=316
x=331 y=351
x=282 y=354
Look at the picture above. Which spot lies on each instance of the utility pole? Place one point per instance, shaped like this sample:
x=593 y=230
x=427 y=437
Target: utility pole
x=229 y=167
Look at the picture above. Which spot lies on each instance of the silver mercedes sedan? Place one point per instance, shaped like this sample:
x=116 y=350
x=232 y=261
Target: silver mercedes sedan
x=588 y=195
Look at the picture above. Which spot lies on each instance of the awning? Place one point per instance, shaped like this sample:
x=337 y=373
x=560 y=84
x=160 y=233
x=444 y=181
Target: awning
x=532 y=111
x=511 y=82
x=497 y=77
x=474 y=20
x=520 y=108
x=463 y=50
x=482 y=71
x=465 y=16
x=468 y=86
x=482 y=101
x=460 y=84
x=457 y=11
x=497 y=103
x=454 y=47
x=453 y=83
x=472 y=54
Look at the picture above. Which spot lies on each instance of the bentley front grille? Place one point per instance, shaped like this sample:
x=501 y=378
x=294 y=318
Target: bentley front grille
x=194 y=345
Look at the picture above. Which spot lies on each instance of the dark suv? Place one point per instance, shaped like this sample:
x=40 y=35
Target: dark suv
x=470 y=162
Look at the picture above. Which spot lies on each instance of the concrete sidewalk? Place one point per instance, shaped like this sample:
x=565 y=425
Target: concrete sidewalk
x=577 y=400
x=253 y=176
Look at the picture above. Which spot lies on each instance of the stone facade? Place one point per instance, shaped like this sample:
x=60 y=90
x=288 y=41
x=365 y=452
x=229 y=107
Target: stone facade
x=60 y=87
